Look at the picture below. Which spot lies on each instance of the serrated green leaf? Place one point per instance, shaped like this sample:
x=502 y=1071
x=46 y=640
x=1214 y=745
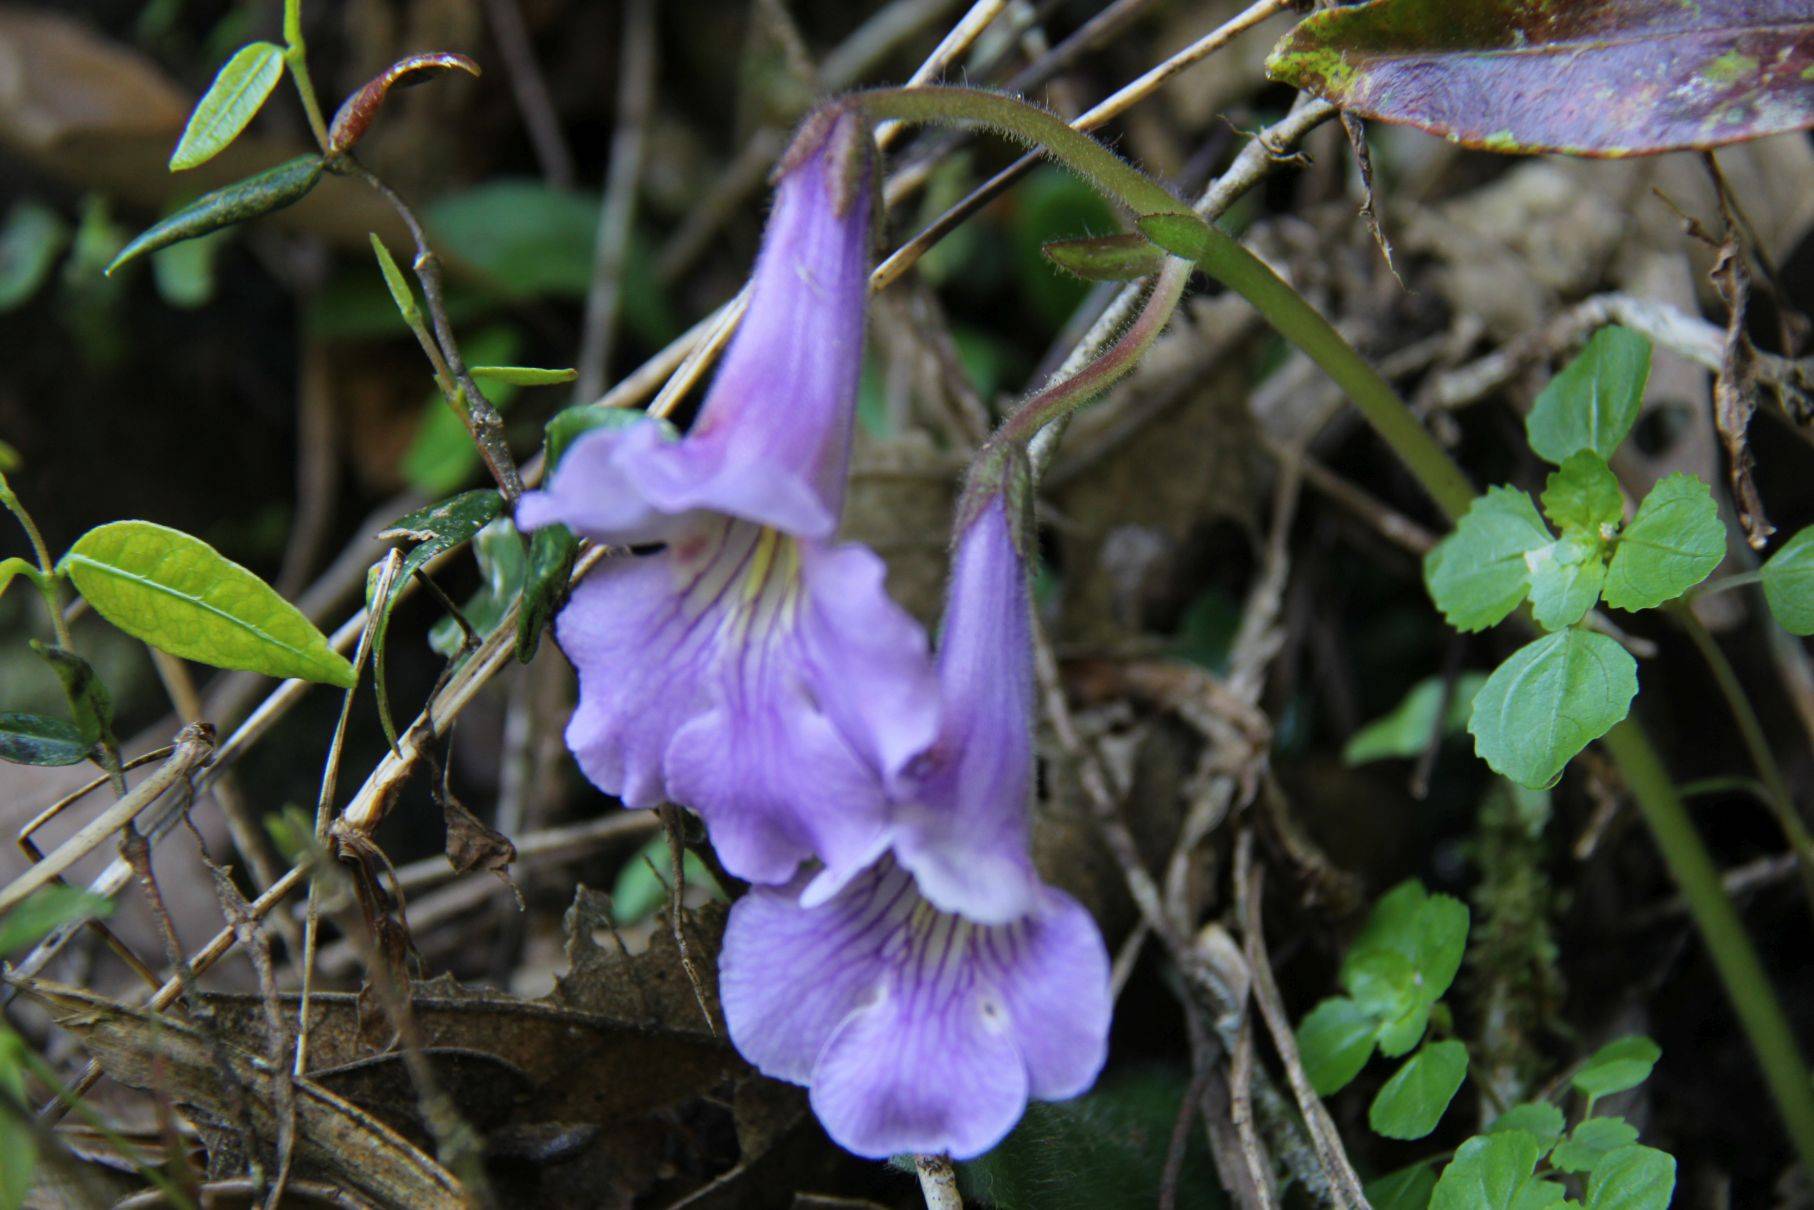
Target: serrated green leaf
x=1479 y=574
x=46 y=909
x=1566 y=578
x=1539 y=1119
x=522 y=376
x=33 y=238
x=1583 y=494
x=180 y=595
x=1407 y=1189
x=34 y=739
x=1494 y=1172
x=1617 y=1066
x=1788 y=577
x=552 y=552
x=1673 y=543
x=1591 y=1141
x=1412 y=1102
x=436 y=529
x=1107 y=257
x=1550 y=700
x=1335 y=1040
x=231 y=102
x=1406 y=731
x=1594 y=401
x=270 y=190
x=1632 y=1178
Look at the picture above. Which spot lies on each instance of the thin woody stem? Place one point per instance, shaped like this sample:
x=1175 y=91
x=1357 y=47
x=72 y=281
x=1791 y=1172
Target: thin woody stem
x=481 y=418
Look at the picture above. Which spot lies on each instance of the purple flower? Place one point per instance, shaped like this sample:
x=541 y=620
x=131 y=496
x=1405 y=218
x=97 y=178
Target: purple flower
x=751 y=669
x=925 y=1000
x=760 y=679
x=772 y=440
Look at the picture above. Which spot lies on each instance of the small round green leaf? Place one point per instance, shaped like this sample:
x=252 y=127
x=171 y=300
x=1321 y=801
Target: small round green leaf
x=1592 y=1141
x=1550 y=700
x=180 y=595
x=1479 y=574
x=1566 y=578
x=1632 y=1178
x=231 y=102
x=1673 y=543
x=33 y=739
x=1594 y=401
x=1494 y=1172
x=1335 y=1041
x=1789 y=583
x=1583 y=494
x=1617 y=1066
x=1540 y=1119
x=1413 y=1101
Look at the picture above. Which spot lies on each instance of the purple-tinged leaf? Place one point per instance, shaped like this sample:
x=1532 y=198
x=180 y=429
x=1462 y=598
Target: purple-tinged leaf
x=1587 y=77
x=357 y=111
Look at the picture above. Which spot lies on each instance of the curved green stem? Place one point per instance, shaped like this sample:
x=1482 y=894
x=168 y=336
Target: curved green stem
x=49 y=586
x=296 y=58
x=1776 y=788
x=1734 y=957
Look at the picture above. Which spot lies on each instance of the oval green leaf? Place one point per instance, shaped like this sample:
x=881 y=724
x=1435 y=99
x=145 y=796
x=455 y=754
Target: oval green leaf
x=1494 y=1172
x=1594 y=401
x=1541 y=1120
x=237 y=94
x=180 y=595
x=270 y=190
x=1617 y=1066
x=1789 y=583
x=1550 y=700
x=1592 y=1141
x=1106 y=257
x=1335 y=1041
x=1586 y=77
x=1673 y=543
x=1480 y=573
x=34 y=739
x=1413 y=1101
x=1632 y=1178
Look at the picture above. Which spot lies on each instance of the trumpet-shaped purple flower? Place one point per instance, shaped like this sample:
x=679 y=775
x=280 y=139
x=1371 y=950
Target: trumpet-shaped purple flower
x=926 y=999
x=772 y=440
x=751 y=669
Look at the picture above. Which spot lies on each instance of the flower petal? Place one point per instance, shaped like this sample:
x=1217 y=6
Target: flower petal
x=1058 y=995
x=594 y=489
x=772 y=442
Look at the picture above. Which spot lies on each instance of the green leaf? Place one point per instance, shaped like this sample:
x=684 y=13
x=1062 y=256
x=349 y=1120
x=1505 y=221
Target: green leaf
x=46 y=909
x=90 y=706
x=522 y=376
x=1617 y=1066
x=1407 y=1189
x=1566 y=577
x=1107 y=257
x=642 y=882
x=503 y=561
x=1406 y=731
x=185 y=272
x=1335 y=1040
x=1591 y=1141
x=1584 y=494
x=435 y=530
x=33 y=739
x=570 y=424
x=396 y=283
x=1495 y=1172
x=1182 y=234
x=1384 y=984
x=552 y=552
x=1594 y=401
x=1442 y=936
x=33 y=238
x=270 y=190
x=1479 y=574
x=1413 y=1101
x=1632 y=1178
x=18 y=1149
x=1550 y=700
x=1539 y=1119
x=1673 y=543
x=180 y=595
x=238 y=92
x=1788 y=577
